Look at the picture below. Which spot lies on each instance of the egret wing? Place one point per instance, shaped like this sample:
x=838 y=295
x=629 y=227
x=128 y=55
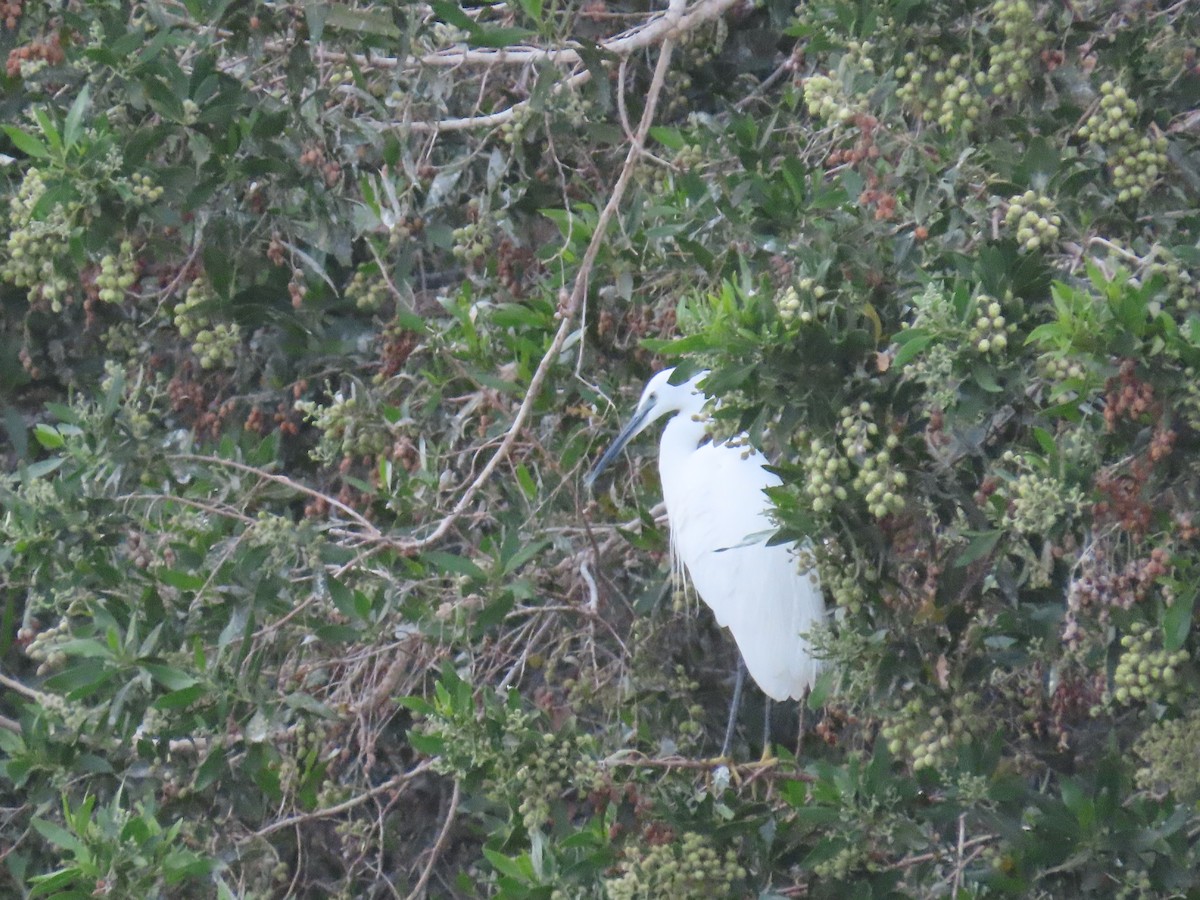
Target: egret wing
x=719 y=527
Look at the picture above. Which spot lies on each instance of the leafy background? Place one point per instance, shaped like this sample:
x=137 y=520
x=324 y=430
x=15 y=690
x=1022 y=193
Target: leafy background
x=313 y=315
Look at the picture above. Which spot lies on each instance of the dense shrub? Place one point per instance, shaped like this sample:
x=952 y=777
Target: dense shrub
x=313 y=315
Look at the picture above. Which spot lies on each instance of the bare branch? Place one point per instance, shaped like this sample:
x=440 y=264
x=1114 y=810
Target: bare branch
x=391 y=784
x=573 y=303
x=423 y=882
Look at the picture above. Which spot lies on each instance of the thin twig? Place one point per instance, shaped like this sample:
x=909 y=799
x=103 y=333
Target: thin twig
x=935 y=855
x=338 y=808
x=23 y=689
x=438 y=846
x=570 y=308
x=636 y=760
x=286 y=482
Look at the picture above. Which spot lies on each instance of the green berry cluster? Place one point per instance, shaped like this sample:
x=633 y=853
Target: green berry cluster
x=1135 y=160
x=1168 y=750
x=1057 y=368
x=1037 y=502
x=688 y=157
x=1189 y=403
x=843 y=864
x=571 y=106
x=878 y=481
x=824 y=469
x=948 y=95
x=145 y=189
x=35 y=246
x=798 y=303
x=699 y=46
x=446 y=35
x=216 y=343
x=472 y=240
x=1147 y=673
x=859 y=55
x=191 y=111
x=560 y=764
x=512 y=131
x=857 y=429
x=1010 y=69
x=74 y=715
x=474 y=745
x=841 y=583
x=117 y=273
x=45 y=647
x=369 y=292
x=825 y=100
x=927 y=737
x=1135 y=884
x=689 y=869
x=989 y=332
x=189 y=318
x=1032 y=215
x=348 y=428
x=1178 y=282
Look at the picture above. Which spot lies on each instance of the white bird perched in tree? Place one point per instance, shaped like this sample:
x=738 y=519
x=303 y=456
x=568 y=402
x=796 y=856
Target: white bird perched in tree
x=720 y=522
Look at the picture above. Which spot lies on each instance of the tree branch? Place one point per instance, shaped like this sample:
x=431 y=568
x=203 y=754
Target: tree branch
x=572 y=304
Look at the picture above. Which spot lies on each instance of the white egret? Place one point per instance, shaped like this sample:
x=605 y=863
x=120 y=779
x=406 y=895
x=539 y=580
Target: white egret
x=720 y=522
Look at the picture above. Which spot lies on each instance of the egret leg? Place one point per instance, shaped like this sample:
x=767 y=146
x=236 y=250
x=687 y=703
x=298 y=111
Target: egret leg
x=766 y=753
x=738 y=684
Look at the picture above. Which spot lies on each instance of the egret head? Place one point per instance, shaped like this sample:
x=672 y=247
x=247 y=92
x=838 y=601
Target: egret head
x=659 y=398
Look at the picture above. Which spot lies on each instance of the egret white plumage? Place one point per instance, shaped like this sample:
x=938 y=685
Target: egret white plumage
x=720 y=522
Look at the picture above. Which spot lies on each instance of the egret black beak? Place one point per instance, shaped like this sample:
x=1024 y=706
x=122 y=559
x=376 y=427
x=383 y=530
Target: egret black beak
x=632 y=427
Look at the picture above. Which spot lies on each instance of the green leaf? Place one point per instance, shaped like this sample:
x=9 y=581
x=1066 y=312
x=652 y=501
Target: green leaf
x=1177 y=620
x=61 y=838
x=73 y=127
x=821 y=689
x=82 y=679
x=520 y=868
x=42 y=467
x=342 y=597
x=525 y=480
x=183 y=581
x=338 y=634
x=180 y=698
x=452 y=14
x=982 y=543
x=170 y=678
x=48 y=436
x=450 y=562
x=911 y=342
x=986 y=379
x=26 y=143
x=533 y=9
x=671 y=138
x=499 y=37
x=429 y=745
x=49 y=129
x=310 y=704
x=1046 y=441
x=338 y=15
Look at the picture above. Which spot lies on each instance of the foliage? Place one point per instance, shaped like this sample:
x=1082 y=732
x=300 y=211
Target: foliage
x=313 y=315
